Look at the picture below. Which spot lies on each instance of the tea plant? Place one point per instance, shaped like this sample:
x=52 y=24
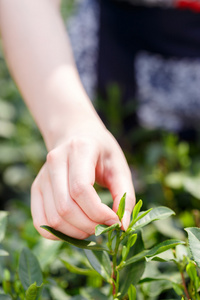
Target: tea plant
x=121 y=261
x=118 y=263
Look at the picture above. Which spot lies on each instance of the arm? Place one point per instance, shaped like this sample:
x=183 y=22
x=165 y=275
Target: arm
x=81 y=150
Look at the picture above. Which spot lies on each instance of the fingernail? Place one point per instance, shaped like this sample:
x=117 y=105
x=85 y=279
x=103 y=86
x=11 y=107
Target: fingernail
x=126 y=219
x=111 y=222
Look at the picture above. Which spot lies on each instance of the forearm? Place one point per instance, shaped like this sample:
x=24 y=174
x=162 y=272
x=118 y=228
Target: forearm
x=40 y=59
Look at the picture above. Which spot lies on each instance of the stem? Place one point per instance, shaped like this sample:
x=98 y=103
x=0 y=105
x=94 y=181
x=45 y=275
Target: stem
x=184 y=285
x=115 y=271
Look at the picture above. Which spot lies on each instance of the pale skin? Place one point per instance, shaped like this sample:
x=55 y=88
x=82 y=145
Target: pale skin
x=81 y=151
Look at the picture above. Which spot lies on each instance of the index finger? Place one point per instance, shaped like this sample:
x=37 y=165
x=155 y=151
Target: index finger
x=81 y=165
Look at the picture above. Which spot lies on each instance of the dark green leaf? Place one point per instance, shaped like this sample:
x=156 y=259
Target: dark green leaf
x=157 y=213
x=84 y=244
x=168 y=244
x=100 y=261
x=131 y=275
x=29 y=269
x=77 y=270
x=194 y=243
x=154 y=251
x=121 y=208
x=100 y=229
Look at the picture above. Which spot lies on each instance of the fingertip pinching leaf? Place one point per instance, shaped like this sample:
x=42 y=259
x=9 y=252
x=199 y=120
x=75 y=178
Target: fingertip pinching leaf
x=100 y=229
x=121 y=208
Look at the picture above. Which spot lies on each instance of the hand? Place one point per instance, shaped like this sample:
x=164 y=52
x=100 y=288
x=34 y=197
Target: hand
x=63 y=195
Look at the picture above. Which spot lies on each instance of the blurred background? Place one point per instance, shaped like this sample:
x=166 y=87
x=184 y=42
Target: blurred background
x=165 y=166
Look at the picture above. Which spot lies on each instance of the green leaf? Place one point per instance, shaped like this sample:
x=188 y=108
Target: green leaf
x=3 y=223
x=131 y=275
x=131 y=241
x=100 y=261
x=152 y=279
x=178 y=288
x=29 y=269
x=168 y=244
x=192 y=185
x=124 y=252
x=33 y=292
x=3 y=253
x=194 y=243
x=157 y=213
x=191 y=270
x=77 y=270
x=121 y=208
x=46 y=251
x=142 y=215
x=100 y=229
x=132 y=292
x=136 y=211
x=84 y=244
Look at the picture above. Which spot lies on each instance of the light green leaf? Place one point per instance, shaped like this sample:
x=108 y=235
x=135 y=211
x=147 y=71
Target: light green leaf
x=46 y=251
x=77 y=270
x=136 y=211
x=58 y=293
x=142 y=215
x=124 y=252
x=100 y=261
x=121 y=208
x=3 y=223
x=178 y=288
x=132 y=292
x=3 y=253
x=29 y=269
x=192 y=185
x=84 y=244
x=157 y=213
x=194 y=243
x=132 y=239
x=33 y=292
x=191 y=270
x=100 y=229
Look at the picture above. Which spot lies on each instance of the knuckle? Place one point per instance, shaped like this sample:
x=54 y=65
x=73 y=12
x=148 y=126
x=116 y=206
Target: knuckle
x=78 y=142
x=63 y=208
x=55 y=221
x=51 y=157
x=77 y=188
